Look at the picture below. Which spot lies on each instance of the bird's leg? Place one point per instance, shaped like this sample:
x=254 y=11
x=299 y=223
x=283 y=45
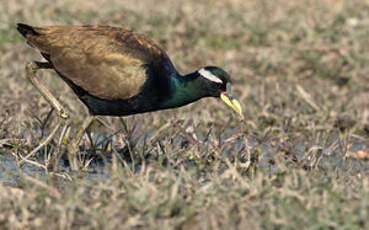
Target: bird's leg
x=73 y=147
x=31 y=69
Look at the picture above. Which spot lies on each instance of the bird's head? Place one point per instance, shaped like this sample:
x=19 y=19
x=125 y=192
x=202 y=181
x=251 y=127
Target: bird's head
x=218 y=84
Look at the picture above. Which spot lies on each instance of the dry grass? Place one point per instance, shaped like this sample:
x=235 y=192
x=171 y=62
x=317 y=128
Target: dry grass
x=300 y=68
x=169 y=198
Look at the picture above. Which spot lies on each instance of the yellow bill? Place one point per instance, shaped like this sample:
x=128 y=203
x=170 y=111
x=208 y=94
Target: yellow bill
x=234 y=104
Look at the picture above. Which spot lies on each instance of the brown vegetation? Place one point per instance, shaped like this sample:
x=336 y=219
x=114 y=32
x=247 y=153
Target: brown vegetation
x=301 y=71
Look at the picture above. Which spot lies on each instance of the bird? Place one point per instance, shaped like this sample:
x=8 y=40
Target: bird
x=117 y=72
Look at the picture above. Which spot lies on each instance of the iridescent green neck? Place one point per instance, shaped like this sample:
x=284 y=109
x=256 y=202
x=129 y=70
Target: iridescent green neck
x=184 y=90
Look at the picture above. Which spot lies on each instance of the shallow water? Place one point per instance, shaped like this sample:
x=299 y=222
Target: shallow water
x=10 y=172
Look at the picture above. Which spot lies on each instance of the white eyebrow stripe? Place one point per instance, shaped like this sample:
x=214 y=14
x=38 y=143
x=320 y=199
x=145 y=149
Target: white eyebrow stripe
x=208 y=75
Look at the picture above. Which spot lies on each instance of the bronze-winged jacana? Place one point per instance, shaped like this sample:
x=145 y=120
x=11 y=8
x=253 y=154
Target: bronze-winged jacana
x=116 y=72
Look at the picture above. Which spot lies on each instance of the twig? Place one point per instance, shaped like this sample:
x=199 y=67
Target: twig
x=308 y=99
x=45 y=142
x=9 y=142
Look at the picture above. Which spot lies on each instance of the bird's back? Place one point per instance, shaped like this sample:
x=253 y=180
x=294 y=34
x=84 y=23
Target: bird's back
x=107 y=62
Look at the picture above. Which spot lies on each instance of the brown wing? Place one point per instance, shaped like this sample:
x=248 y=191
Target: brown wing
x=108 y=62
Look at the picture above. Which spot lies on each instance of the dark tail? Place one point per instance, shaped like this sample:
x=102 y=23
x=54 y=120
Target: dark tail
x=26 y=29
